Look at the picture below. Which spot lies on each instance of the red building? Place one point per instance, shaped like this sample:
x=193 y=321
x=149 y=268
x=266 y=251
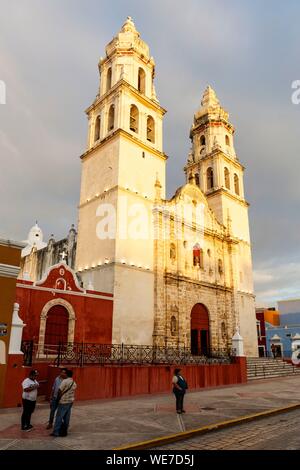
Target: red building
x=57 y=310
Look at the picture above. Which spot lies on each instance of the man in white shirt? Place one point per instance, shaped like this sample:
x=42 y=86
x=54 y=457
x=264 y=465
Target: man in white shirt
x=30 y=387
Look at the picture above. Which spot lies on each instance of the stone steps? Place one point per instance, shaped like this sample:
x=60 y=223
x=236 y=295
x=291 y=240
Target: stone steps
x=263 y=368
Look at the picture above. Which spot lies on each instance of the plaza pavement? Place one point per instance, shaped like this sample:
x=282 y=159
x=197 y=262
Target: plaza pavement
x=108 y=424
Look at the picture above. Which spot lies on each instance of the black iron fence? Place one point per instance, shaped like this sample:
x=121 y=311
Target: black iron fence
x=81 y=354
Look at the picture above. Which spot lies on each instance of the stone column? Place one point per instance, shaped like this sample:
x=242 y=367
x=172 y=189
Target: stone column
x=238 y=345
x=16 y=332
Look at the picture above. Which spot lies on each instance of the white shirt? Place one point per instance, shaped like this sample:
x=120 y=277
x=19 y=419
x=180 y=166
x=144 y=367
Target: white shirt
x=32 y=396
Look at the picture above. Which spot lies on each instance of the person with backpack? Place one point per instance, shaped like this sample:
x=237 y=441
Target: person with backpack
x=179 y=388
x=54 y=396
x=65 y=398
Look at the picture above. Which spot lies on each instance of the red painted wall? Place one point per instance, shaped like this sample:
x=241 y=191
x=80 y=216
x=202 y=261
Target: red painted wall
x=96 y=382
x=93 y=315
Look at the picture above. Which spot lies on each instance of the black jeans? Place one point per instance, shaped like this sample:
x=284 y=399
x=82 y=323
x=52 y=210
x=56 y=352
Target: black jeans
x=179 y=399
x=28 y=409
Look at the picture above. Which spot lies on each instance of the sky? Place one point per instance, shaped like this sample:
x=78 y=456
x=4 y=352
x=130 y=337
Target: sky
x=247 y=51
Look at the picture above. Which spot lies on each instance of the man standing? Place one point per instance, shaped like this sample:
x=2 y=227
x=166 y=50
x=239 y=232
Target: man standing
x=54 y=395
x=30 y=387
x=66 y=395
x=179 y=388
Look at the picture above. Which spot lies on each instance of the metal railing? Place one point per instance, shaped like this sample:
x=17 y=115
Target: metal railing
x=81 y=354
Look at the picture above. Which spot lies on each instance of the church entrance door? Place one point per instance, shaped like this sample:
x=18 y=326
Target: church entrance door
x=57 y=326
x=199 y=330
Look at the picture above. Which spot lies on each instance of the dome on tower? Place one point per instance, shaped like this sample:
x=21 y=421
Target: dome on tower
x=210 y=104
x=128 y=39
x=209 y=97
x=34 y=240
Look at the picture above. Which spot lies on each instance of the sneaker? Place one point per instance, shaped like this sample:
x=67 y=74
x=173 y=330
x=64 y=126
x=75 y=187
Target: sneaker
x=53 y=435
x=179 y=412
x=29 y=428
x=49 y=426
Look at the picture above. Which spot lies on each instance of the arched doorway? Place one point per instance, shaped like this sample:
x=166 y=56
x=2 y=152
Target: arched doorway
x=57 y=326
x=199 y=330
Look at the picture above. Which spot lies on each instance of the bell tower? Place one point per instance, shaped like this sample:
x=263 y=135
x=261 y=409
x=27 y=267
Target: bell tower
x=214 y=165
x=120 y=166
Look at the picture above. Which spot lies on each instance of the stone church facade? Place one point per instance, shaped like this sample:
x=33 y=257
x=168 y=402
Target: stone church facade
x=183 y=276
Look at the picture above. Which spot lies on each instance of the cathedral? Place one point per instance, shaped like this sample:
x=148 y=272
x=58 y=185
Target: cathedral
x=178 y=270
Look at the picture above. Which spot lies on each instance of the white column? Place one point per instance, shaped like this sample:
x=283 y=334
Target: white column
x=238 y=345
x=16 y=332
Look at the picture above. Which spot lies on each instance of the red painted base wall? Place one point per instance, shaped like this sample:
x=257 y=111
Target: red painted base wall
x=122 y=381
x=96 y=382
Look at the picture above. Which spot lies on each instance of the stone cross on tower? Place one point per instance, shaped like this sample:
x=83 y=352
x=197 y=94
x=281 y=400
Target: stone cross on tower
x=63 y=255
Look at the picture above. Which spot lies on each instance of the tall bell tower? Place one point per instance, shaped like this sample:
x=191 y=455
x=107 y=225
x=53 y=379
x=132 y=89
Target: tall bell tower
x=122 y=162
x=219 y=174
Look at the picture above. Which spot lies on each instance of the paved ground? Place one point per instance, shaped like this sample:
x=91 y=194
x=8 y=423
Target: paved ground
x=107 y=424
x=275 y=433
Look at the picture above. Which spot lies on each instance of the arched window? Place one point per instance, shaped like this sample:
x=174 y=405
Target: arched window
x=210 y=178
x=141 y=80
x=236 y=184
x=202 y=140
x=198 y=256
x=227 y=140
x=111 y=118
x=150 y=129
x=172 y=251
x=97 y=129
x=173 y=326
x=197 y=180
x=134 y=118
x=227 y=178
x=108 y=79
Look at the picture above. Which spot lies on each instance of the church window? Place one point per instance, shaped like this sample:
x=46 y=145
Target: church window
x=198 y=256
x=227 y=178
x=108 y=79
x=208 y=253
x=210 y=178
x=141 y=80
x=150 y=129
x=227 y=140
x=202 y=140
x=236 y=184
x=197 y=180
x=173 y=326
x=172 y=252
x=134 y=118
x=111 y=118
x=97 y=129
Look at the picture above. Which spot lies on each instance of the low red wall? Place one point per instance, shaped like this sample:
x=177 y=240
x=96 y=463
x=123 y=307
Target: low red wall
x=95 y=382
